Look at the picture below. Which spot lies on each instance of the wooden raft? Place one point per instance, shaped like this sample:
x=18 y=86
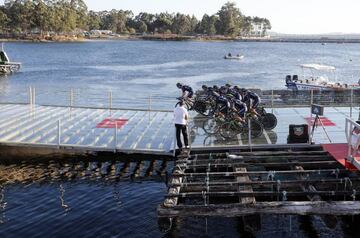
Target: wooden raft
x=303 y=181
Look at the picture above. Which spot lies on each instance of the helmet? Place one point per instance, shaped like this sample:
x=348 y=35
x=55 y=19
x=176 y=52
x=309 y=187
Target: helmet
x=179 y=85
x=204 y=87
x=236 y=88
x=228 y=85
x=223 y=89
x=215 y=87
x=243 y=90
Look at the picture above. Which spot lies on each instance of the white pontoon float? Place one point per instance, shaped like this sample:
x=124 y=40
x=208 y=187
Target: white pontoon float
x=7 y=67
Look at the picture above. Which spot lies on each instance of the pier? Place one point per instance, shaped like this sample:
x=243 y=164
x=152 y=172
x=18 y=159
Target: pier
x=34 y=130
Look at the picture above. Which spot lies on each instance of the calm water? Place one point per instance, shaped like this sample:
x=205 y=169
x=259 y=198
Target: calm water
x=134 y=70
x=119 y=199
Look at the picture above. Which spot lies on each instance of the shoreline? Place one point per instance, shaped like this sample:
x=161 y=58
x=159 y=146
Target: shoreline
x=161 y=37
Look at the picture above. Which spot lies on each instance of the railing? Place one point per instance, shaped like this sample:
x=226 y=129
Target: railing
x=352 y=130
x=118 y=99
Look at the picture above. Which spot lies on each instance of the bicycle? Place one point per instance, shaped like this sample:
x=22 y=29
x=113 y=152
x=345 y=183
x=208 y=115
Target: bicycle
x=235 y=127
x=268 y=120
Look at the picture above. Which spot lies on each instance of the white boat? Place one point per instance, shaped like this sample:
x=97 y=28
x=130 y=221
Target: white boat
x=7 y=67
x=318 y=79
x=237 y=57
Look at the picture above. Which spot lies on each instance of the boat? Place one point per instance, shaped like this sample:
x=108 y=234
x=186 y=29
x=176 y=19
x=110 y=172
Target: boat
x=6 y=66
x=318 y=79
x=237 y=57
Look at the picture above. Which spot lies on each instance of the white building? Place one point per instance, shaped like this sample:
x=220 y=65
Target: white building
x=257 y=29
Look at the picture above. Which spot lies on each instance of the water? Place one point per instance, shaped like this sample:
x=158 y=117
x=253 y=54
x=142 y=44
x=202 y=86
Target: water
x=119 y=199
x=134 y=70
x=116 y=198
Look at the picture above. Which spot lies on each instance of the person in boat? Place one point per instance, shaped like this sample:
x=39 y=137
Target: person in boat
x=238 y=55
x=229 y=55
x=187 y=91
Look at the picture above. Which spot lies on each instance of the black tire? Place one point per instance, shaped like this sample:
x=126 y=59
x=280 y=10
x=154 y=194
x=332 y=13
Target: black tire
x=256 y=129
x=230 y=130
x=211 y=126
x=201 y=108
x=269 y=121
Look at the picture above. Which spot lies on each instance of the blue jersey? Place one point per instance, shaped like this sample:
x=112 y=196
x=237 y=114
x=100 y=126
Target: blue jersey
x=250 y=96
x=187 y=89
x=234 y=93
x=240 y=107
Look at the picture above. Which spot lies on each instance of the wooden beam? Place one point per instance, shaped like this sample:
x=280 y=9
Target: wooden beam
x=338 y=208
x=263 y=194
x=282 y=172
x=265 y=164
x=269 y=182
x=247 y=188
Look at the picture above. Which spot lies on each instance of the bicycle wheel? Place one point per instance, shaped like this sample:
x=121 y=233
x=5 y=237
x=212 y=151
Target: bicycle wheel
x=256 y=129
x=211 y=126
x=200 y=107
x=230 y=130
x=269 y=121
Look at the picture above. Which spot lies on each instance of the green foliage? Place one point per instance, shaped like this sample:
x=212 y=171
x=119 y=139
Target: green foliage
x=72 y=16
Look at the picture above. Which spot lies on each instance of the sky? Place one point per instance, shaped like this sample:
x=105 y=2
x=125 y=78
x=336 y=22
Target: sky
x=286 y=16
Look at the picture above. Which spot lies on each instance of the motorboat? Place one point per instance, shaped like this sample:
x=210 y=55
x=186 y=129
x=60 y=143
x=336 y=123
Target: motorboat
x=318 y=79
x=6 y=66
x=237 y=57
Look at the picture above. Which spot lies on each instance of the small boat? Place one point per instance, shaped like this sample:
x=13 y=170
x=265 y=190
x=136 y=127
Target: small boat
x=237 y=57
x=317 y=82
x=7 y=67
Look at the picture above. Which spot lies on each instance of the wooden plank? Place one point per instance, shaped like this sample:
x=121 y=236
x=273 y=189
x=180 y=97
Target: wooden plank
x=283 y=172
x=338 y=208
x=270 y=182
x=265 y=164
x=263 y=194
x=247 y=188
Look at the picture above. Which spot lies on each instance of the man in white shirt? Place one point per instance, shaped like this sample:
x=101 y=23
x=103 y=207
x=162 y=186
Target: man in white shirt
x=181 y=117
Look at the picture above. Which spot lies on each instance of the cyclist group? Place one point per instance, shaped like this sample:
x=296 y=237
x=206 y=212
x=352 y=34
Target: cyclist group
x=228 y=99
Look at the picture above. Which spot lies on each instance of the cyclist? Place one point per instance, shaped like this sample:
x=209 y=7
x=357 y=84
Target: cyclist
x=252 y=100
x=240 y=109
x=187 y=91
x=235 y=92
x=216 y=88
x=222 y=105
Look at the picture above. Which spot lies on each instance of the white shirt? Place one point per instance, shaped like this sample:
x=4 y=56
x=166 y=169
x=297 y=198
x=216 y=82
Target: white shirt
x=179 y=115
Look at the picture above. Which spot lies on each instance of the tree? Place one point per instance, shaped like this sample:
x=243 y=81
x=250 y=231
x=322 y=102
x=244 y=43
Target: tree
x=93 y=20
x=4 y=20
x=194 y=24
x=41 y=16
x=146 y=18
x=230 y=19
x=181 y=24
x=142 y=27
x=208 y=25
x=163 y=22
x=246 y=26
x=81 y=11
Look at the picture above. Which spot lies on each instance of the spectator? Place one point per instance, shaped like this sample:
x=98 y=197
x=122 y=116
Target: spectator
x=181 y=117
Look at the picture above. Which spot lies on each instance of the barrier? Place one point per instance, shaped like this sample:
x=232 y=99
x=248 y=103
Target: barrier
x=352 y=130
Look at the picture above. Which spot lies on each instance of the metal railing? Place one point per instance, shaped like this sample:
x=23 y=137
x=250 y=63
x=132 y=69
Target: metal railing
x=111 y=99
x=352 y=130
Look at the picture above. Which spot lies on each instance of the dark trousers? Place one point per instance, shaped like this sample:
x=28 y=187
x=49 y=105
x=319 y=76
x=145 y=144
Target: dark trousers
x=181 y=129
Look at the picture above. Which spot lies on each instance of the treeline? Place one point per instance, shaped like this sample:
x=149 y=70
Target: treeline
x=68 y=16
